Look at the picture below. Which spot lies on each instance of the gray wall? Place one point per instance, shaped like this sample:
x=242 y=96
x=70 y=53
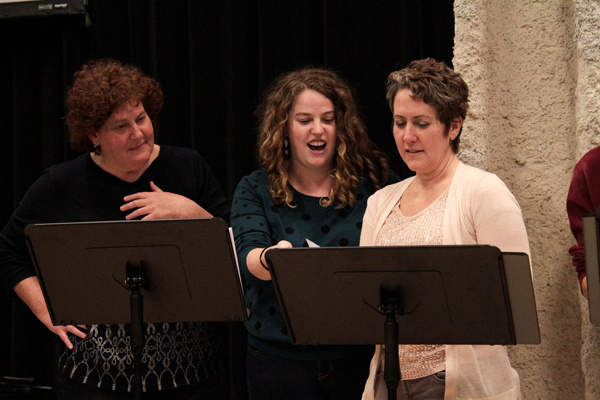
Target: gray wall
x=533 y=70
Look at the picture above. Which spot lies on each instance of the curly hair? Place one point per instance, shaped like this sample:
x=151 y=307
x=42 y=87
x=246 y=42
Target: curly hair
x=437 y=85
x=355 y=153
x=99 y=88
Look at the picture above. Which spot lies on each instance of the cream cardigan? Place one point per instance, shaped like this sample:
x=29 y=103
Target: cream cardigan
x=480 y=210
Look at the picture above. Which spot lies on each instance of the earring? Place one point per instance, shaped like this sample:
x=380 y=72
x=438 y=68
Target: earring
x=97 y=149
x=286 y=148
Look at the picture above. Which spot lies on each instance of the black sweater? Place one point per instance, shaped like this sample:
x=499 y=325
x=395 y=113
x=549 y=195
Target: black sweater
x=79 y=191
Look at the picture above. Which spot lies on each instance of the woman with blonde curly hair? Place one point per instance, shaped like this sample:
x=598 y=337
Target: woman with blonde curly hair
x=318 y=169
x=122 y=175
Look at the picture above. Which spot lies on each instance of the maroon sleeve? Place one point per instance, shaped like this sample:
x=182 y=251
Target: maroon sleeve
x=583 y=198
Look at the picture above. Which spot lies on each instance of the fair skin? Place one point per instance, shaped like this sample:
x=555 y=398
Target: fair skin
x=128 y=149
x=426 y=149
x=127 y=143
x=30 y=292
x=312 y=138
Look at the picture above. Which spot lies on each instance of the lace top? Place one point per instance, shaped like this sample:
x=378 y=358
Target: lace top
x=424 y=228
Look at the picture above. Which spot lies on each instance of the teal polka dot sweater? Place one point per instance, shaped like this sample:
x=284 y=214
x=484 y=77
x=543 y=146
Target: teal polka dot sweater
x=258 y=222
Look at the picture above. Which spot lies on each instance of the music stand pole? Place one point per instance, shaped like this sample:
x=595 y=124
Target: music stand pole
x=455 y=294
x=390 y=306
x=181 y=261
x=136 y=280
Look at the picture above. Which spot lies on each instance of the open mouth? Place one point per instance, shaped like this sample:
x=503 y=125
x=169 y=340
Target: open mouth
x=317 y=145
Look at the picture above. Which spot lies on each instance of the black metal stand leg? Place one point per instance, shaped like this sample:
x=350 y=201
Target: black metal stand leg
x=137 y=340
x=136 y=279
x=391 y=373
x=391 y=305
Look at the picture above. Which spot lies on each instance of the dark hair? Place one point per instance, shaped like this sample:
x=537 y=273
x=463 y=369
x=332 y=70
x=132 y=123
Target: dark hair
x=99 y=88
x=437 y=85
x=355 y=152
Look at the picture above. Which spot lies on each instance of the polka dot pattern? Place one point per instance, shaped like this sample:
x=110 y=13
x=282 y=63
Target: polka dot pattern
x=259 y=223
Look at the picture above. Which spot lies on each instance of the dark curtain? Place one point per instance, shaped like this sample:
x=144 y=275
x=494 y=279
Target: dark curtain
x=213 y=59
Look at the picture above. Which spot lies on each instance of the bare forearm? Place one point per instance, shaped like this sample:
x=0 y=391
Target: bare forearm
x=254 y=266
x=30 y=291
x=256 y=256
x=202 y=213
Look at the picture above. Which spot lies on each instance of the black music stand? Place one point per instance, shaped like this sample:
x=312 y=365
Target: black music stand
x=590 y=225
x=94 y=273
x=443 y=295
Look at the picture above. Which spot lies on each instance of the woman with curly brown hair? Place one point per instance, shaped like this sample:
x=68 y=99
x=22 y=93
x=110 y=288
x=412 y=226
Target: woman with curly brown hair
x=318 y=169
x=123 y=174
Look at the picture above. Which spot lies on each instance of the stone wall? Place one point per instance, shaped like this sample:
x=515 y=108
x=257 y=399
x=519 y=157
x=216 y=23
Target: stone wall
x=533 y=71
x=587 y=113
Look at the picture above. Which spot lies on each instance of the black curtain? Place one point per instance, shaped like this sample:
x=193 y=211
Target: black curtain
x=213 y=59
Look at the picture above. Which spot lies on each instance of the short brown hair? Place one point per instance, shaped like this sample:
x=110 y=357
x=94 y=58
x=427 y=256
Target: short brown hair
x=99 y=88
x=437 y=85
